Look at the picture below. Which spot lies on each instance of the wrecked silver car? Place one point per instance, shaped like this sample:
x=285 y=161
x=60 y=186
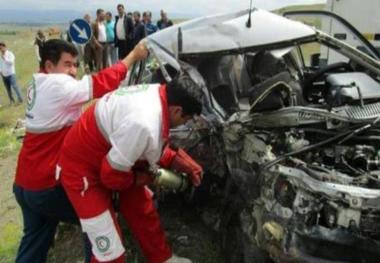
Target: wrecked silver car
x=290 y=142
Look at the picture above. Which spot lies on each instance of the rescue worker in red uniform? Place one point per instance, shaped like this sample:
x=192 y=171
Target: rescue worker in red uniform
x=54 y=102
x=99 y=156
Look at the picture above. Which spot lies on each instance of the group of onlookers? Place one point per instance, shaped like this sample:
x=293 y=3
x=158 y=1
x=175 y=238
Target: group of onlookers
x=114 y=37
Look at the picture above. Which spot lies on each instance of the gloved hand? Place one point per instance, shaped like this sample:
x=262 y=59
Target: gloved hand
x=143 y=177
x=183 y=163
x=176 y=259
x=141 y=173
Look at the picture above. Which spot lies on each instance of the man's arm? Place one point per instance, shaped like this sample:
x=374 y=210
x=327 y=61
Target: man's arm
x=109 y=79
x=128 y=142
x=130 y=28
x=76 y=92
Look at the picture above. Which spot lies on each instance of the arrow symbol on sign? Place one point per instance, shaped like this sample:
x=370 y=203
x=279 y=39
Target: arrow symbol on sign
x=82 y=32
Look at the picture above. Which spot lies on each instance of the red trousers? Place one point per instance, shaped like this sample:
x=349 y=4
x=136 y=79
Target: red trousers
x=136 y=207
x=81 y=157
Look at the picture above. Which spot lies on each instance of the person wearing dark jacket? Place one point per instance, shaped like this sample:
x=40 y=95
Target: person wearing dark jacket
x=150 y=28
x=164 y=22
x=139 y=32
x=123 y=32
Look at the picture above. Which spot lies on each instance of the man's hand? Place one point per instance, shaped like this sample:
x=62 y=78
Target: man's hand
x=99 y=47
x=183 y=163
x=143 y=178
x=138 y=53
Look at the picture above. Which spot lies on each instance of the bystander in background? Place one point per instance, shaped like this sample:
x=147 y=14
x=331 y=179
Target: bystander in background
x=150 y=28
x=89 y=52
x=164 y=22
x=99 y=40
x=39 y=43
x=123 y=32
x=139 y=32
x=110 y=30
x=8 y=73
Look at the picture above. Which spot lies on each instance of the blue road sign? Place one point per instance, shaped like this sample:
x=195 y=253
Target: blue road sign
x=80 y=31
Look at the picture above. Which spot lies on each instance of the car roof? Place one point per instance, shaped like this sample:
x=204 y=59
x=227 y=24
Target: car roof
x=228 y=32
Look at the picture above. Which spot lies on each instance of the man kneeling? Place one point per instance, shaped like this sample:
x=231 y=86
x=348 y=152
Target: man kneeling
x=99 y=156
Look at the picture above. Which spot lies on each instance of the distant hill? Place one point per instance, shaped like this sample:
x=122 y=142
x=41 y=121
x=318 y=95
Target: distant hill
x=38 y=16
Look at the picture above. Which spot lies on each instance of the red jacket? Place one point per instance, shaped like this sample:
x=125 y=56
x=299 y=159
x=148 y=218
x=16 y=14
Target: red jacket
x=106 y=142
x=54 y=103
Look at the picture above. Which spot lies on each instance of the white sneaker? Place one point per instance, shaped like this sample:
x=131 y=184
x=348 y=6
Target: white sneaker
x=176 y=259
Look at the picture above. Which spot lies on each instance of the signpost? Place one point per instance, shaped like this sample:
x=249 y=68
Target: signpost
x=80 y=31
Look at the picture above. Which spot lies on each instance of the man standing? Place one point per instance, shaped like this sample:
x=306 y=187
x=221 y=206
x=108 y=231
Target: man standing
x=164 y=22
x=39 y=43
x=54 y=102
x=123 y=32
x=139 y=32
x=110 y=29
x=111 y=148
x=150 y=28
x=99 y=40
x=8 y=73
x=89 y=52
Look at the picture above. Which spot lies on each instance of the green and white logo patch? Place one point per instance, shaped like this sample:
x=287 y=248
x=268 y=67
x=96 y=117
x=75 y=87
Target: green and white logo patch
x=103 y=243
x=123 y=91
x=31 y=95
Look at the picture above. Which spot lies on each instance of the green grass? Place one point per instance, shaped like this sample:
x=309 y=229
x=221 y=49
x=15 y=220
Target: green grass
x=21 y=44
x=10 y=236
x=8 y=143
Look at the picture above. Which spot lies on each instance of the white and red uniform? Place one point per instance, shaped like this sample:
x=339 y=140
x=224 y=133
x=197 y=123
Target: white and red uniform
x=125 y=126
x=54 y=103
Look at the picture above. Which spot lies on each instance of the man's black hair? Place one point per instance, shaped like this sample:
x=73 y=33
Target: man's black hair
x=52 y=50
x=99 y=11
x=120 y=5
x=2 y=44
x=184 y=92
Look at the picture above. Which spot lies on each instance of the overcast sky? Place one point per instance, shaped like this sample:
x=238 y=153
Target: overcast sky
x=174 y=6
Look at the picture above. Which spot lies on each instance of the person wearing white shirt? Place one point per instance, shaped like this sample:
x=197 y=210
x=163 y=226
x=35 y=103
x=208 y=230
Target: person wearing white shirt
x=124 y=30
x=99 y=40
x=8 y=73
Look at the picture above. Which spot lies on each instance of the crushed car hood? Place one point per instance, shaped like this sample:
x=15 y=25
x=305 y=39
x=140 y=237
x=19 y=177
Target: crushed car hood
x=223 y=33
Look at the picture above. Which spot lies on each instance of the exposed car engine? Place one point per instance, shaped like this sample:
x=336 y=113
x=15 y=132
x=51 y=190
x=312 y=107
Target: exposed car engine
x=290 y=145
x=297 y=175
